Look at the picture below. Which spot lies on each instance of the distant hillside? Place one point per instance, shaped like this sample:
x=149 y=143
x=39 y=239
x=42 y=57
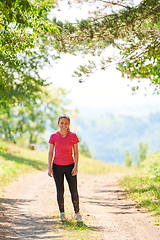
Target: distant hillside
x=109 y=133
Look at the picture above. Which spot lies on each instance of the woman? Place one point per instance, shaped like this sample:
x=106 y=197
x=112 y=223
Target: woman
x=61 y=163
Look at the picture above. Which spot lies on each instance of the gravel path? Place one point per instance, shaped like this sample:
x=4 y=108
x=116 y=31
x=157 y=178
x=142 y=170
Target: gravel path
x=29 y=210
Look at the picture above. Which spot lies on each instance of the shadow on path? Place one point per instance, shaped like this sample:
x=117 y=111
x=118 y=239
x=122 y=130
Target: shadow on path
x=18 y=225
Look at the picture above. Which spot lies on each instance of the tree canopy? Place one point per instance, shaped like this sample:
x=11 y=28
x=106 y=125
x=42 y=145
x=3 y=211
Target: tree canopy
x=28 y=106
x=28 y=40
x=131 y=29
x=27 y=122
x=23 y=27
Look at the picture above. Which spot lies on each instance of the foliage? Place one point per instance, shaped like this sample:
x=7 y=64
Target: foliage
x=132 y=30
x=128 y=159
x=152 y=165
x=84 y=149
x=23 y=49
x=143 y=149
x=28 y=121
x=3 y=147
x=141 y=156
x=144 y=186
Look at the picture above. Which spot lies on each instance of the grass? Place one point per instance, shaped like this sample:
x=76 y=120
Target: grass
x=15 y=161
x=78 y=230
x=144 y=186
x=96 y=167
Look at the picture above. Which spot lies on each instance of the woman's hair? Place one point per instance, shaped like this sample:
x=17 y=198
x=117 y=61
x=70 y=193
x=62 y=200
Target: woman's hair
x=64 y=116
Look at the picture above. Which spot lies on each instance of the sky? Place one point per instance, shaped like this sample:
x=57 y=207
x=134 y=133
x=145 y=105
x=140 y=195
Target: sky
x=101 y=89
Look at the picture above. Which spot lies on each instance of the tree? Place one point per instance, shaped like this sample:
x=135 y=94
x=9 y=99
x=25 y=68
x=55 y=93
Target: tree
x=27 y=122
x=23 y=50
x=143 y=149
x=84 y=149
x=128 y=159
x=131 y=29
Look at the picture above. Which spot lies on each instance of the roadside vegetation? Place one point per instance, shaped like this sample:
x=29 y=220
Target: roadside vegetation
x=15 y=161
x=144 y=185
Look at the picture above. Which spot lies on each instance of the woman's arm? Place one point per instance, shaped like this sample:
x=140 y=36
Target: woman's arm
x=76 y=157
x=50 y=160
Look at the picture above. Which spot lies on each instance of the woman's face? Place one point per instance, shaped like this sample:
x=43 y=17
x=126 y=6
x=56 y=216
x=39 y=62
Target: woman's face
x=63 y=124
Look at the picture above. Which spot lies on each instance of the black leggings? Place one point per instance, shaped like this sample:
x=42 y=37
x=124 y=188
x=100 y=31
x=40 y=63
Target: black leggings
x=58 y=173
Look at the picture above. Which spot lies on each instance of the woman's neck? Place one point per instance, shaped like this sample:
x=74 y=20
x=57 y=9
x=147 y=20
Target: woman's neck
x=63 y=132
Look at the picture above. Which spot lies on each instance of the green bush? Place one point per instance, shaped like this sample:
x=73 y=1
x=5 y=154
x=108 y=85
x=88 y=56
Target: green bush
x=144 y=186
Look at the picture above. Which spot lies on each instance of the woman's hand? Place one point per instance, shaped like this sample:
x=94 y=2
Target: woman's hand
x=50 y=172
x=74 y=171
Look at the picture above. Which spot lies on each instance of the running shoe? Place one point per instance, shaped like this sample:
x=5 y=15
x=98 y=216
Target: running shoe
x=62 y=216
x=78 y=217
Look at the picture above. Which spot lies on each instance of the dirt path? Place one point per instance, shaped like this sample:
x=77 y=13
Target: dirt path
x=29 y=208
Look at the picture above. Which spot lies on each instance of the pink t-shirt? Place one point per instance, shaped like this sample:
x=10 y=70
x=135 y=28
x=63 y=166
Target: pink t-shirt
x=63 y=147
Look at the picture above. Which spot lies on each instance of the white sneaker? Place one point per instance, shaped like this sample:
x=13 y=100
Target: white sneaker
x=62 y=216
x=78 y=217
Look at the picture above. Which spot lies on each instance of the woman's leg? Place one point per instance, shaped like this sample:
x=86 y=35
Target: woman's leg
x=59 y=181
x=72 y=182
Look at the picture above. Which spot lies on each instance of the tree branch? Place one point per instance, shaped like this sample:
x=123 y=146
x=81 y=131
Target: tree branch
x=112 y=3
